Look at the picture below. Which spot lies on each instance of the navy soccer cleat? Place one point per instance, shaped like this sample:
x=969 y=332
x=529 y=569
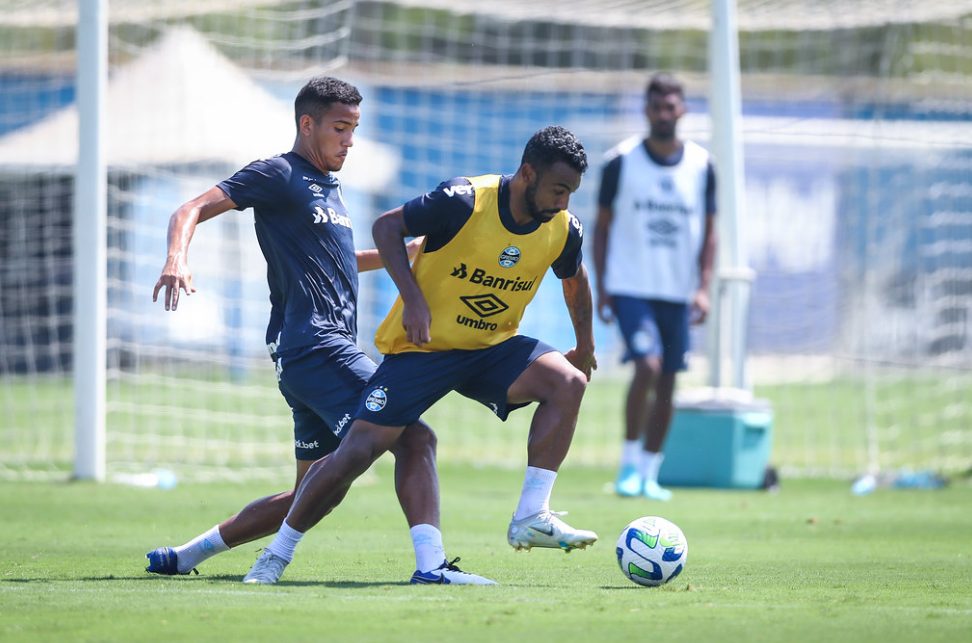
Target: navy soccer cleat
x=165 y=561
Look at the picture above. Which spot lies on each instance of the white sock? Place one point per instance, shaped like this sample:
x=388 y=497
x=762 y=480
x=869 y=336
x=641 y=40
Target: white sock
x=200 y=548
x=650 y=464
x=535 y=496
x=285 y=542
x=429 y=552
x=631 y=453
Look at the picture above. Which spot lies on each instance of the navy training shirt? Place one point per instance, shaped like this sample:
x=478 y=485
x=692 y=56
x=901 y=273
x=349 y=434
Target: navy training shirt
x=305 y=234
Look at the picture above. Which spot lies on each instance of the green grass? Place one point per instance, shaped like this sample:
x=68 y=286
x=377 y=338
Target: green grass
x=811 y=563
x=919 y=422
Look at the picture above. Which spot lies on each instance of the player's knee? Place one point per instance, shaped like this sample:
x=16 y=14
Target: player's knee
x=571 y=385
x=578 y=383
x=647 y=368
x=357 y=452
x=418 y=438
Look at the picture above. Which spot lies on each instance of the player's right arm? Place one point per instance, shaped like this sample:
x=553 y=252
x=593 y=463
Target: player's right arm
x=437 y=216
x=389 y=232
x=176 y=275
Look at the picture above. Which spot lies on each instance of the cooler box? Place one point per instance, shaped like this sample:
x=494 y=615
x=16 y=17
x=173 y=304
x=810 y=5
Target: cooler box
x=718 y=440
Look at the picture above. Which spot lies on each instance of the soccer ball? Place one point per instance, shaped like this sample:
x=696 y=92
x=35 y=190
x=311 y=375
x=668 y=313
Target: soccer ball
x=651 y=551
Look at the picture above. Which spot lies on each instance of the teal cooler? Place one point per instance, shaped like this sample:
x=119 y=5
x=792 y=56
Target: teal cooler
x=718 y=443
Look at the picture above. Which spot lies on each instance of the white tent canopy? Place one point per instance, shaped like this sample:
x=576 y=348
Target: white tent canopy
x=183 y=102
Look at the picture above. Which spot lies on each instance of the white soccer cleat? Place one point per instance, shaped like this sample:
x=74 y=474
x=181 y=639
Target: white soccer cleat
x=448 y=574
x=655 y=492
x=267 y=569
x=545 y=529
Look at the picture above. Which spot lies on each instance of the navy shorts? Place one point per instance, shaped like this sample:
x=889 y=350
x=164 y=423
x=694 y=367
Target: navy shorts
x=323 y=388
x=654 y=328
x=407 y=384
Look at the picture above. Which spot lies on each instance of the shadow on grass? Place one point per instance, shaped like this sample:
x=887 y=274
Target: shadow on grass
x=219 y=578
x=59 y=579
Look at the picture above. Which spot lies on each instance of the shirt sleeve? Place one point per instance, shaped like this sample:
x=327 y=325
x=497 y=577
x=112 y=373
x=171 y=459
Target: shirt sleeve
x=258 y=184
x=566 y=265
x=610 y=176
x=441 y=213
x=710 y=190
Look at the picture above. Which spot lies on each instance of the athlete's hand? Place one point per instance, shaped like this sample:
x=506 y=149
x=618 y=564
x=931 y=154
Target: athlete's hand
x=412 y=247
x=605 y=311
x=700 y=306
x=583 y=360
x=175 y=276
x=417 y=321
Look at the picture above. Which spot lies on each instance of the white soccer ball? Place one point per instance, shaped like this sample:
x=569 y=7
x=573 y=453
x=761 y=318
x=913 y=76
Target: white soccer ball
x=652 y=551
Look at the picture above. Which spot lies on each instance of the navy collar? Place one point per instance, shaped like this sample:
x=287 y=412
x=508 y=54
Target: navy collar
x=327 y=179
x=665 y=161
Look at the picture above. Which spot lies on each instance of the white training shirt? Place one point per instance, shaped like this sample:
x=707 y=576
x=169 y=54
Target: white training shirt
x=658 y=225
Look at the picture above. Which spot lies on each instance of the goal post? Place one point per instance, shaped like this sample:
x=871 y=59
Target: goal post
x=733 y=277
x=90 y=244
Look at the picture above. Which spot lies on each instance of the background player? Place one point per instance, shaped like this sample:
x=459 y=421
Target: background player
x=654 y=247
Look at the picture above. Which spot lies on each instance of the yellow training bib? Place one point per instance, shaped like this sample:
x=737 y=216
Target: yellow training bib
x=479 y=283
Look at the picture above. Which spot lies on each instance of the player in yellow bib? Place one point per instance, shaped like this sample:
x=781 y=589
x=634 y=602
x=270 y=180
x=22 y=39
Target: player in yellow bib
x=489 y=241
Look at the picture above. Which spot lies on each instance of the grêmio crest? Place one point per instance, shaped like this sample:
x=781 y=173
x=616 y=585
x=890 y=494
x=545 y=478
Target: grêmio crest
x=509 y=257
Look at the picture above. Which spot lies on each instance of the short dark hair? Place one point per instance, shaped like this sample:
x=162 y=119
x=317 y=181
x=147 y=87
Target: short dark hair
x=552 y=144
x=320 y=92
x=663 y=83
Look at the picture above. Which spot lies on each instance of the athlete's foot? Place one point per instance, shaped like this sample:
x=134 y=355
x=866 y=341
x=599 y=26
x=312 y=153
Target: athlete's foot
x=448 y=574
x=545 y=529
x=267 y=569
x=655 y=492
x=165 y=561
x=628 y=483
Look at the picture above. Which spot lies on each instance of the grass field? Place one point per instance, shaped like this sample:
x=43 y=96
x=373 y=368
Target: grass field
x=810 y=563
x=196 y=425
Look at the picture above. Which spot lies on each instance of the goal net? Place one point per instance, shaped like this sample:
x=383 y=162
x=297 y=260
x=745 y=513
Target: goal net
x=857 y=125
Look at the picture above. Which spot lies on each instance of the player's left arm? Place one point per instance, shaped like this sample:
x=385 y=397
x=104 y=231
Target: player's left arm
x=700 y=302
x=370 y=259
x=580 y=305
x=576 y=283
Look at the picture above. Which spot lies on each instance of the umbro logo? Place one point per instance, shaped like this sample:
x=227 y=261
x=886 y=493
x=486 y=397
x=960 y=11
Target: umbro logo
x=663 y=227
x=315 y=188
x=485 y=305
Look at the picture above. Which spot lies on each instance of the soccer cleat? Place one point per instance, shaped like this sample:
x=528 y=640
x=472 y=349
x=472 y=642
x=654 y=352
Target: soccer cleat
x=448 y=574
x=165 y=561
x=654 y=492
x=545 y=529
x=629 y=483
x=267 y=569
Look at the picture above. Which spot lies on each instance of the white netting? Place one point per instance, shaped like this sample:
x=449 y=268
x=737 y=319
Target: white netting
x=858 y=207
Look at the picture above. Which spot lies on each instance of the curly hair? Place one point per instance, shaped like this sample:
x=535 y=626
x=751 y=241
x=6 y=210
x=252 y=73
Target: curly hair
x=553 y=144
x=320 y=92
